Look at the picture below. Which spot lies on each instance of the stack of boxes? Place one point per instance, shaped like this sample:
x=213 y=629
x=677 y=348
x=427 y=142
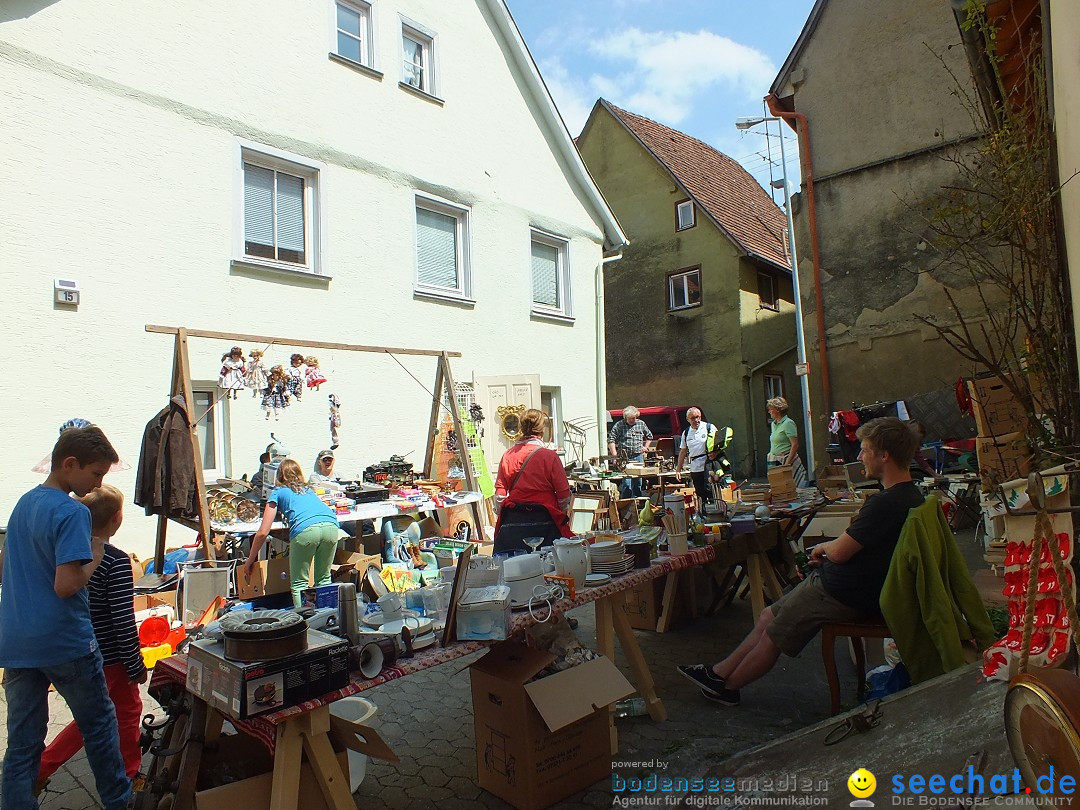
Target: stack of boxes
x=1001 y=446
x=781 y=484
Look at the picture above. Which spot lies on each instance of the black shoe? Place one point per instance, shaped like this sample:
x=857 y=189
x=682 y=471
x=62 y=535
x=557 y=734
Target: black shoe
x=702 y=675
x=727 y=697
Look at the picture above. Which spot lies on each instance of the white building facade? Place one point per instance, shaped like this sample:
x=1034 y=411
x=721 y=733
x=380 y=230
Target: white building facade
x=388 y=173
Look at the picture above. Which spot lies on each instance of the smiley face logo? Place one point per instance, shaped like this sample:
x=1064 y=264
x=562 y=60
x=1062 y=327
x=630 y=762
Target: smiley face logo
x=862 y=784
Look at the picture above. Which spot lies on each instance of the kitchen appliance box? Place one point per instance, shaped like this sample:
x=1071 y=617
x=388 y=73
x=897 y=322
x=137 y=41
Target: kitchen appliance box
x=541 y=741
x=243 y=689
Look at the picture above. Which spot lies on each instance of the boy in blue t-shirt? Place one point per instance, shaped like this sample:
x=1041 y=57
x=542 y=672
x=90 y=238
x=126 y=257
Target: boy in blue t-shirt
x=45 y=630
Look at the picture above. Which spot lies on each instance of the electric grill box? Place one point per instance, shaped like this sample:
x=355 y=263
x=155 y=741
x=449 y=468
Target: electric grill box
x=244 y=689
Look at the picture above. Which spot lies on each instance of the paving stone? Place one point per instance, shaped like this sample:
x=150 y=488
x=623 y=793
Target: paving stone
x=419 y=790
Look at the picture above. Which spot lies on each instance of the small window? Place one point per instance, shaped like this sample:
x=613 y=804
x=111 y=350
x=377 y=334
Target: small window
x=774 y=385
x=354 y=33
x=442 y=251
x=418 y=59
x=684 y=289
x=767 y=295
x=550 y=274
x=210 y=428
x=550 y=399
x=684 y=215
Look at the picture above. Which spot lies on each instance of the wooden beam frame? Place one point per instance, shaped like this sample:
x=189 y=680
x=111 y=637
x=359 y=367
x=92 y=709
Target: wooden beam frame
x=311 y=344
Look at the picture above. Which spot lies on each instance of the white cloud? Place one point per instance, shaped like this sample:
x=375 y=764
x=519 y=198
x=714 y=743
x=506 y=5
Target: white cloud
x=665 y=72
x=572 y=96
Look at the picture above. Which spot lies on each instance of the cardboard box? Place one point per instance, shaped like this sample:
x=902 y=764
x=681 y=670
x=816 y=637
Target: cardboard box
x=643 y=605
x=997 y=411
x=781 y=483
x=244 y=689
x=267 y=577
x=1006 y=456
x=345 y=562
x=538 y=742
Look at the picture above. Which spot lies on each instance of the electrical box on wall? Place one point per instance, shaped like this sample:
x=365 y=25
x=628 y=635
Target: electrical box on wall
x=66 y=291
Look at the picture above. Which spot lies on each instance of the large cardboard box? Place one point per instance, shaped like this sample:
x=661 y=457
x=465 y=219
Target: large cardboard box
x=538 y=742
x=345 y=562
x=996 y=410
x=267 y=577
x=243 y=689
x=643 y=605
x=1007 y=456
x=781 y=483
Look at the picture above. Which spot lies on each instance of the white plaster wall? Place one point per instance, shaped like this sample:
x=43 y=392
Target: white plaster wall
x=117 y=153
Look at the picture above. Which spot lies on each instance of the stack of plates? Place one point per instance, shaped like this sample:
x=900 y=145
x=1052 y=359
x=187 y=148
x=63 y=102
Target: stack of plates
x=620 y=566
x=606 y=551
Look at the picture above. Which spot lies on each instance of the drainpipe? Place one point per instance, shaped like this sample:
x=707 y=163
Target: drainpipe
x=803 y=132
x=601 y=363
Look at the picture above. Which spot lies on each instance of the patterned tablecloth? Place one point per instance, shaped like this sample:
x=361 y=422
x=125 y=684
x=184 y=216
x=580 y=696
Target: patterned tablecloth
x=263 y=727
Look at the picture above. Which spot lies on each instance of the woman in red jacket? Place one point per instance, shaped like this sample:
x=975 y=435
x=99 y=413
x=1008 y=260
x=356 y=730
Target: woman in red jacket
x=531 y=490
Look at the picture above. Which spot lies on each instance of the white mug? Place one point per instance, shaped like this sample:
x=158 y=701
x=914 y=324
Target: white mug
x=390 y=604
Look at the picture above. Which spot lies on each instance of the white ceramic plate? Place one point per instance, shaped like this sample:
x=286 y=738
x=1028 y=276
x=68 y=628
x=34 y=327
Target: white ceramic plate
x=597 y=579
x=375 y=618
x=394 y=628
x=605 y=546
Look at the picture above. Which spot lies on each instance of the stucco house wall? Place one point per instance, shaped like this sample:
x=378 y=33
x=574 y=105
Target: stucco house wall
x=120 y=165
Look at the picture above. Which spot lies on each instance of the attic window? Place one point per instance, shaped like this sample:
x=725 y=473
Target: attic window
x=768 y=297
x=684 y=215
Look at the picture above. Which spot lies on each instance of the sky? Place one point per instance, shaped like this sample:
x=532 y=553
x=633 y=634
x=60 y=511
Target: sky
x=693 y=65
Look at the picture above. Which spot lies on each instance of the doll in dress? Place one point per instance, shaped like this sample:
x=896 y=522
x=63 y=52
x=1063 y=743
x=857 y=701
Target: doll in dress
x=313 y=375
x=294 y=375
x=276 y=394
x=231 y=376
x=335 y=421
x=255 y=373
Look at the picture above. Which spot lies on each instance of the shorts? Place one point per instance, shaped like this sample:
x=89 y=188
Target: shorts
x=800 y=614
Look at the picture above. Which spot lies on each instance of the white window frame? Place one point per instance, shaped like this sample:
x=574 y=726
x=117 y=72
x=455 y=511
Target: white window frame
x=315 y=253
x=368 y=49
x=461 y=213
x=562 y=274
x=682 y=275
x=679 y=207
x=429 y=40
x=554 y=412
x=774 y=384
x=220 y=410
x=772 y=305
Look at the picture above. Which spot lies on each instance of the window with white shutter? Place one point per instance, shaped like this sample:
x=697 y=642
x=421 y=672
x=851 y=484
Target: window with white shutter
x=442 y=266
x=550 y=269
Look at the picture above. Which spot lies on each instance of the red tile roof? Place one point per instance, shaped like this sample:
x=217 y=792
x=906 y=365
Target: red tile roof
x=723 y=189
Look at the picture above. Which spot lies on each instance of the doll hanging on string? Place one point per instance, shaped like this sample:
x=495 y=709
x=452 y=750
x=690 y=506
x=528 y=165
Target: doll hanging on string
x=276 y=395
x=335 y=421
x=313 y=375
x=294 y=375
x=231 y=376
x=255 y=373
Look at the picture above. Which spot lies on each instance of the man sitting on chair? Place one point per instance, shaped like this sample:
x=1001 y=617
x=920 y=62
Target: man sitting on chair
x=850 y=573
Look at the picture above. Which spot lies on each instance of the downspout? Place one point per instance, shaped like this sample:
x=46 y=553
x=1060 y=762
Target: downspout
x=601 y=361
x=750 y=394
x=802 y=130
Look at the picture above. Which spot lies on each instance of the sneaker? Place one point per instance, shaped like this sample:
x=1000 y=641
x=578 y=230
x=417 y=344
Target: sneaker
x=702 y=675
x=727 y=697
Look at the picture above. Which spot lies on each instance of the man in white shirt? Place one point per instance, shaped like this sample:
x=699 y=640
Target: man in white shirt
x=695 y=446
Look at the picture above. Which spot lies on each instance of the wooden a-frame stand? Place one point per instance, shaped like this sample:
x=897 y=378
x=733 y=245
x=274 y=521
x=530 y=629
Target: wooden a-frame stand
x=181 y=384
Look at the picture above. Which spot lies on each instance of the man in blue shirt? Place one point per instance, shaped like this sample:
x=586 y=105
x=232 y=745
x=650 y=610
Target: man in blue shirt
x=45 y=630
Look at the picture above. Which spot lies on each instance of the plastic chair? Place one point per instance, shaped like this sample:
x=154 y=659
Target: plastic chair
x=856 y=631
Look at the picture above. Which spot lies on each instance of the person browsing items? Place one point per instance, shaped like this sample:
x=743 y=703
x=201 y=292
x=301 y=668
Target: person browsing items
x=313 y=530
x=532 y=493
x=850 y=575
x=46 y=633
x=324 y=468
x=784 y=440
x=629 y=438
x=696 y=447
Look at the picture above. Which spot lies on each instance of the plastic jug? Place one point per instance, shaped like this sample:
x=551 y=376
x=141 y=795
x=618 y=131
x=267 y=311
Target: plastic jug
x=572 y=559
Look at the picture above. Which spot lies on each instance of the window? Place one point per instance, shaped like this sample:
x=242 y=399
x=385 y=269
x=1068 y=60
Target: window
x=767 y=295
x=417 y=58
x=549 y=257
x=210 y=428
x=442 y=248
x=684 y=289
x=354 y=32
x=774 y=385
x=684 y=215
x=279 y=220
x=549 y=404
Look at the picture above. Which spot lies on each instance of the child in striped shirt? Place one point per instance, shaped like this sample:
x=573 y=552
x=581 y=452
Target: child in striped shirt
x=112 y=613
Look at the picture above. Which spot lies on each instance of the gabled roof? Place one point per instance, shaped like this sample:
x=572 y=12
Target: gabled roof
x=553 y=122
x=721 y=188
x=779 y=86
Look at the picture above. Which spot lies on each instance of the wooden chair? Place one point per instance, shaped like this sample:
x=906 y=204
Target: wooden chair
x=856 y=631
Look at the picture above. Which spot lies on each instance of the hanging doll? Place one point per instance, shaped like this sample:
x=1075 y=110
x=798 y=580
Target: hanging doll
x=276 y=393
x=231 y=376
x=294 y=375
x=335 y=421
x=255 y=373
x=314 y=376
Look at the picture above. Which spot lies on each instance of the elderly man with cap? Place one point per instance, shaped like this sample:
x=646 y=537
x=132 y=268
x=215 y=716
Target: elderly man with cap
x=324 y=468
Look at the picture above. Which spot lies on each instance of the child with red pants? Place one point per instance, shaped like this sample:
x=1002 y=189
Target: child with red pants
x=112 y=613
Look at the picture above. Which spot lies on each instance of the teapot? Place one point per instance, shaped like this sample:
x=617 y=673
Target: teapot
x=572 y=559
